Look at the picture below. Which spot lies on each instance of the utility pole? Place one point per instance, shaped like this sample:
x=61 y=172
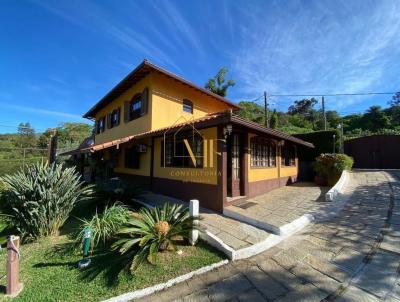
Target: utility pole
x=323 y=112
x=266 y=110
x=52 y=146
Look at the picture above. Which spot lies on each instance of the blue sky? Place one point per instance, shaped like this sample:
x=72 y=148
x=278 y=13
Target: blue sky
x=58 y=58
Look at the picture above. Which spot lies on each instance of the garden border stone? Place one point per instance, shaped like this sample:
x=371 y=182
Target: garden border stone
x=337 y=189
x=137 y=294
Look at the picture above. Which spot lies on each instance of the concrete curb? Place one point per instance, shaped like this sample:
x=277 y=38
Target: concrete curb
x=337 y=189
x=216 y=242
x=137 y=294
x=254 y=222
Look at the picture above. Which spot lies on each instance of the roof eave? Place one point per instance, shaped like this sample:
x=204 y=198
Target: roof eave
x=92 y=111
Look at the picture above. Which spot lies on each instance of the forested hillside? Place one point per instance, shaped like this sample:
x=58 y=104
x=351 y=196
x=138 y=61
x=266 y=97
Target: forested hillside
x=302 y=117
x=27 y=146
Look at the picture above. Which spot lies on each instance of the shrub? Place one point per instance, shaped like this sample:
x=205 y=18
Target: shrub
x=152 y=231
x=105 y=225
x=112 y=190
x=330 y=166
x=40 y=197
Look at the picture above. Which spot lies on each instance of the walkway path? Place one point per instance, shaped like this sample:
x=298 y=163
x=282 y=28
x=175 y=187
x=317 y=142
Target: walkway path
x=352 y=257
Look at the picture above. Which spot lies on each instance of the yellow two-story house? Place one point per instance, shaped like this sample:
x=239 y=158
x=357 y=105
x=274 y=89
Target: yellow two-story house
x=184 y=141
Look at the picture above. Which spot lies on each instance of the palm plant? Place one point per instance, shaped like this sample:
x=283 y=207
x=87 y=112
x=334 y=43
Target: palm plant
x=217 y=84
x=154 y=230
x=104 y=225
x=40 y=197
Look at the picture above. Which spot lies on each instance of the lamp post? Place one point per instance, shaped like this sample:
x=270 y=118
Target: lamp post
x=334 y=143
x=340 y=127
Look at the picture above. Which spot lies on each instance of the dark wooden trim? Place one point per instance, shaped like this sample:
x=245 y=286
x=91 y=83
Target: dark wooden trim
x=245 y=164
x=152 y=162
x=205 y=193
x=265 y=186
x=221 y=167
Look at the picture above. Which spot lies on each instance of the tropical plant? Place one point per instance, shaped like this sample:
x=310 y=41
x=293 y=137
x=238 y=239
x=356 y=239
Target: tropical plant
x=154 y=230
x=40 y=197
x=330 y=166
x=104 y=225
x=112 y=190
x=218 y=85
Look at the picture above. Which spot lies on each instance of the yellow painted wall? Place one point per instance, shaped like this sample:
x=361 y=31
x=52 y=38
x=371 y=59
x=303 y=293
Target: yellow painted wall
x=287 y=171
x=256 y=173
x=139 y=125
x=208 y=175
x=167 y=97
x=165 y=107
x=145 y=159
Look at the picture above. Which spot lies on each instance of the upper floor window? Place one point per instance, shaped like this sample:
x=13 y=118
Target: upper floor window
x=175 y=152
x=187 y=106
x=137 y=107
x=288 y=155
x=263 y=152
x=100 y=125
x=114 y=118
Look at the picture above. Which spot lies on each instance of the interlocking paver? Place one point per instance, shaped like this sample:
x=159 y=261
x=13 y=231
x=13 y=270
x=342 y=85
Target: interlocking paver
x=266 y=285
x=354 y=294
x=351 y=257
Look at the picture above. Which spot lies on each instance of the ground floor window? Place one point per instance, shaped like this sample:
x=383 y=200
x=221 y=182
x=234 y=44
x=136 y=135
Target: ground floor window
x=175 y=152
x=132 y=157
x=263 y=152
x=288 y=155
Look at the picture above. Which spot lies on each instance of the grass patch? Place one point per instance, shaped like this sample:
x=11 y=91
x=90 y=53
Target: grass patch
x=49 y=273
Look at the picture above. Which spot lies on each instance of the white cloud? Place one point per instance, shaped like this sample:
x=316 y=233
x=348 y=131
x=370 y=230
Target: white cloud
x=42 y=111
x=318 y=47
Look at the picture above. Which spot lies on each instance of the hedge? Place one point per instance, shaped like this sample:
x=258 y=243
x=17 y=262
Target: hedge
x=322 y=140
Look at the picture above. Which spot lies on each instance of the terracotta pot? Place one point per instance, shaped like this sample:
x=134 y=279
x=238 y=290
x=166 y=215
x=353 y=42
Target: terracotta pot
x=320 y=180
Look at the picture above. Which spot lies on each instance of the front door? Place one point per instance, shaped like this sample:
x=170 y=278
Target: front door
x=234 y=151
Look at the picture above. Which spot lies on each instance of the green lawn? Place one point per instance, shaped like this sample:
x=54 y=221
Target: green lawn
x=49 y=273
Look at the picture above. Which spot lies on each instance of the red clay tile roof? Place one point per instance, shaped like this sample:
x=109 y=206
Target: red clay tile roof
x=139 y=73
x=208 y=120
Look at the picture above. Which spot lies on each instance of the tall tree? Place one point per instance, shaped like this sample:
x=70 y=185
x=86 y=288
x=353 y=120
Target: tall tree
x=273 y=123
x=303 y=106
x=217 y=83
x=26 y=137
x=395 y=99
x=375 y=119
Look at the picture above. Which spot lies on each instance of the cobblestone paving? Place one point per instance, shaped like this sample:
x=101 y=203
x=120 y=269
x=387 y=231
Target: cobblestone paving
x=283 y=205
x=352 y=257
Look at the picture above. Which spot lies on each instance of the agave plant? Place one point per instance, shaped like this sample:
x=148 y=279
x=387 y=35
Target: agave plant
x=40 y=197
x=105 y=225
x=154 y=230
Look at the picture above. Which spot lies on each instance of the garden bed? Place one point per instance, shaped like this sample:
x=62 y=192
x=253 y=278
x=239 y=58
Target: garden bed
x=49 y=273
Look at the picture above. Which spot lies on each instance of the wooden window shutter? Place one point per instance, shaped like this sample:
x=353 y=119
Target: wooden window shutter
x=96 y=127
x=126 y=111
x=145 y=101
x=118 y=116
x=108 y=120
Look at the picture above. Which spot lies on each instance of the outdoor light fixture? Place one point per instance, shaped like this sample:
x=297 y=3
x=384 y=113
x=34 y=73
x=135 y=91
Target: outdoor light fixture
x=334 y=142
x=227 y=130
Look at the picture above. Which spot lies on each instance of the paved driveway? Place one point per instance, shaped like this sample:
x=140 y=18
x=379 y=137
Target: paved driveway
x=353 y=257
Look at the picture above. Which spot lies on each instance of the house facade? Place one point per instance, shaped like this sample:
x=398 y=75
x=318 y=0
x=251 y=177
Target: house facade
x=163 y=132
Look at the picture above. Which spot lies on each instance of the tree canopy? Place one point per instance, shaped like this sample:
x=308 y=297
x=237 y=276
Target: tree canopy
x=218 y=85
x=302 y=117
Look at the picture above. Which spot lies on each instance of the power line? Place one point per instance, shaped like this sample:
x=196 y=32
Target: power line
x=335 y=94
